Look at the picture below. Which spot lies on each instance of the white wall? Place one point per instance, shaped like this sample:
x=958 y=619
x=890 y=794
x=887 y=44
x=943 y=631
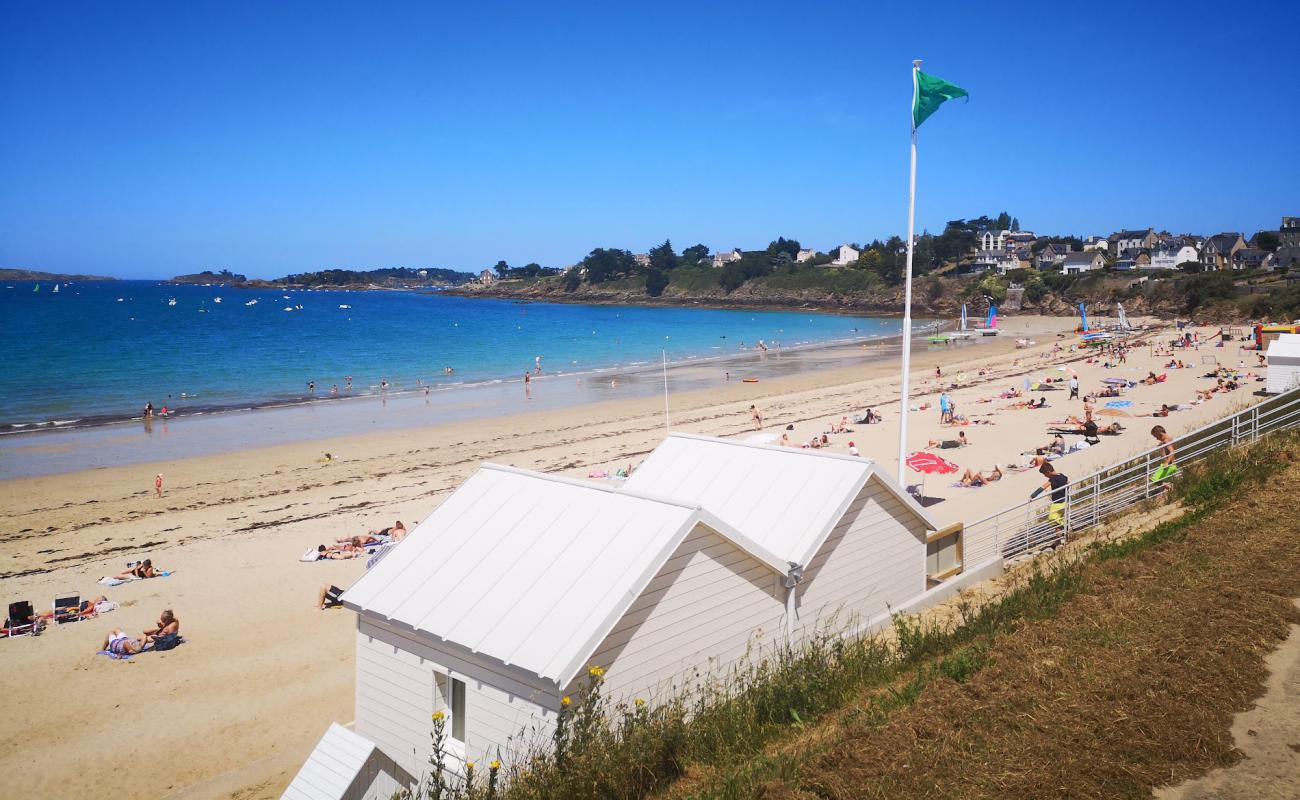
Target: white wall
x=395 y=697
x=704 y=609
x=874 y=560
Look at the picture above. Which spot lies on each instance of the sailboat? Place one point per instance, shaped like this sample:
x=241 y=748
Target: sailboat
x=171 y=302
x=216 y=299
x=252 y=302
x=56 y=288
x=964 y=332
x=37 y=289
x=991 y=324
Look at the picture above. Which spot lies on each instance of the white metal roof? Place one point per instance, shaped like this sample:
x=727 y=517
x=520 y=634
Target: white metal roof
x=331 y=767
x=785 y=499
x=531 y=569
x=1285 y=346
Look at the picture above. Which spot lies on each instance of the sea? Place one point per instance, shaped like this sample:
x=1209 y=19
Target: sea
x=91 y=354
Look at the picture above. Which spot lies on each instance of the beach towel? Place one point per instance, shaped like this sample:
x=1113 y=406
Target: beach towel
x=115 y=656
x=109 y=580
x=311 y=555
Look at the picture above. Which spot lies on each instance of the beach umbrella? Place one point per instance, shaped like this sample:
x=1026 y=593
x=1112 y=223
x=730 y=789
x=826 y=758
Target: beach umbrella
x=928 y=463
x=1119 y=404
x=1112 y=412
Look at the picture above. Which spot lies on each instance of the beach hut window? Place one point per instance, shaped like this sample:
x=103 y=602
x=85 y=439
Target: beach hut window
x=449 y=698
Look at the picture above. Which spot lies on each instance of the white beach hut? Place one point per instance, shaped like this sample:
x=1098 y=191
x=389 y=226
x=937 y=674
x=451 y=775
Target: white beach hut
x=493 y=608
x=859 y=540
x=1283 y=363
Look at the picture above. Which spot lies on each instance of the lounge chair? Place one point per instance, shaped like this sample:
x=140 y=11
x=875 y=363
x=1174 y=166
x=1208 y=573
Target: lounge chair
x=67 y=608
x=21 y=620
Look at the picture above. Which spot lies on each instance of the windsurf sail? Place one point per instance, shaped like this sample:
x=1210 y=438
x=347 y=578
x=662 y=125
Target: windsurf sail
x=1083 y=318
x=992 y=321
x=1123 y=318
x=963 y=316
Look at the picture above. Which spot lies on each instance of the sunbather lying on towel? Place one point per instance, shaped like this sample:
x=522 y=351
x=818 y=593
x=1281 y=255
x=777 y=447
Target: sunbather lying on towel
x=87 y=607
x=361 y=541
x=119 y=645
x=975 y=479
x=340 y=552
x=144 y=569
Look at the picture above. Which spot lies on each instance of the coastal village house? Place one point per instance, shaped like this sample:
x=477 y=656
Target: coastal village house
x=1217 y=251
x=1248 y=258
x=494 y=608
x=1082 y=262
x=1052 y=255
x=1288 y=243
x=724 y=257
x=1132 y=240
x=1095 y=243
x=1133 y=259
x=486 y=277
x=805 y=255
x=1170 y=256
x=856 y=536
x=845 y=254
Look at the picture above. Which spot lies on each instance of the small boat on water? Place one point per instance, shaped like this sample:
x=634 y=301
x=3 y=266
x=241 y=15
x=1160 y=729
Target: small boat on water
x=216 y=299
x=288 y=308
x=344 y=305
x=251 y=303
x=171 y=302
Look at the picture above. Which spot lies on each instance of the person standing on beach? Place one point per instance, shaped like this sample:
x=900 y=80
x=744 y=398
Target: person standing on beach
x=1056 y=483
x=157 y=485
x=945 y=407
x=349 y=386
x=537 y=365
x=757 y=416
x=1166 y=441
x=148 y=410
x=1074 y=387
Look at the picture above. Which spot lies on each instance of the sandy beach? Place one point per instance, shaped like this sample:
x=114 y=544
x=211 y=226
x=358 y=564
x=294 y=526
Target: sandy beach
x=233 y=712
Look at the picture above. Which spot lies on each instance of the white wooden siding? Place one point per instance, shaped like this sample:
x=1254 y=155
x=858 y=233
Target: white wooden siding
x=704 y=609
x=395 y=699
x=873 y=560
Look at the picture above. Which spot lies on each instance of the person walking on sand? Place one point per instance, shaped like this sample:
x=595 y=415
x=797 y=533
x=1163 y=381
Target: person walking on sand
x=757 y=416
x=1074 y=387
x=157 y=485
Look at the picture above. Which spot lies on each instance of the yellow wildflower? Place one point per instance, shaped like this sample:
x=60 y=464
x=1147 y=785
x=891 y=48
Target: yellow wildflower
x=595 y=672
x=639 y=702
x=469 y=765
x=494 y=764
x=437 y=715
x=564 y=701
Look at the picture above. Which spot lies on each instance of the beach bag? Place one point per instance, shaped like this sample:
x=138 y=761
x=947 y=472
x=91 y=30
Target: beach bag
x=166 y=642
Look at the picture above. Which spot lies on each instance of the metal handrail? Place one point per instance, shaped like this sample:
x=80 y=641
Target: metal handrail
x=1113 y=489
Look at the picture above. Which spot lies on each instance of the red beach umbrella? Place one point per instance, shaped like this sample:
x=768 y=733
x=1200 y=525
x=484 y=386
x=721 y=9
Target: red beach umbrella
x=928 y=463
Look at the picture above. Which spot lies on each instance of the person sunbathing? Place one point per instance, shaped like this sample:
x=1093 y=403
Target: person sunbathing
x=842 y=427
x=340 y=552
x=167 y=625
x=360 y=541
x=975 y=479
x=142 y=570
x=1054 y=447
x=87 y=607
x=119 y=644
x=948 y=444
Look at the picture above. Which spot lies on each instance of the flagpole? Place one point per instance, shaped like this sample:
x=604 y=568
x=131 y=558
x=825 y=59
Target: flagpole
x=907 y=296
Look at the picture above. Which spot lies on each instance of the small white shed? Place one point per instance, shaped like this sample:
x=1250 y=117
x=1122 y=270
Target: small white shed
x=493 y=608
x=344 y=766
x=1283 y=363
x=859 y=538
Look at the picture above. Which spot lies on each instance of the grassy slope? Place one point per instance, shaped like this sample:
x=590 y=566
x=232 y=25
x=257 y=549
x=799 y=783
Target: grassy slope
x=1121 y=677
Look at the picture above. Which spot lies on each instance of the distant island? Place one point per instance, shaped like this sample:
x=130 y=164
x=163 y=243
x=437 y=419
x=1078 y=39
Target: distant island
x=33 y=275
x=385 y=278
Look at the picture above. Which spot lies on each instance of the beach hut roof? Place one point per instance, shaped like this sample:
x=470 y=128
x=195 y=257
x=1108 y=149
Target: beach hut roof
x=787 y=500
x=332 y=767
x=1285 y=349
x=532 y=570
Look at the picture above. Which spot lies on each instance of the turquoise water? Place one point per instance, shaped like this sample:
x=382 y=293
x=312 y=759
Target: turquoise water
x=97 y=352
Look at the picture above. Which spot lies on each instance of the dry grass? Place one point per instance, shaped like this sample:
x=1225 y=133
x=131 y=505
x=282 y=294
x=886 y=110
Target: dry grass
x=1131 y=684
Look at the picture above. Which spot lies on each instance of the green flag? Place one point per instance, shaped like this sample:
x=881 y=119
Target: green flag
x=931 y=92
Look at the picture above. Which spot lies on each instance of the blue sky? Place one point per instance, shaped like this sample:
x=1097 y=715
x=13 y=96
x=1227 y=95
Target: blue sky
x=150 y=139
